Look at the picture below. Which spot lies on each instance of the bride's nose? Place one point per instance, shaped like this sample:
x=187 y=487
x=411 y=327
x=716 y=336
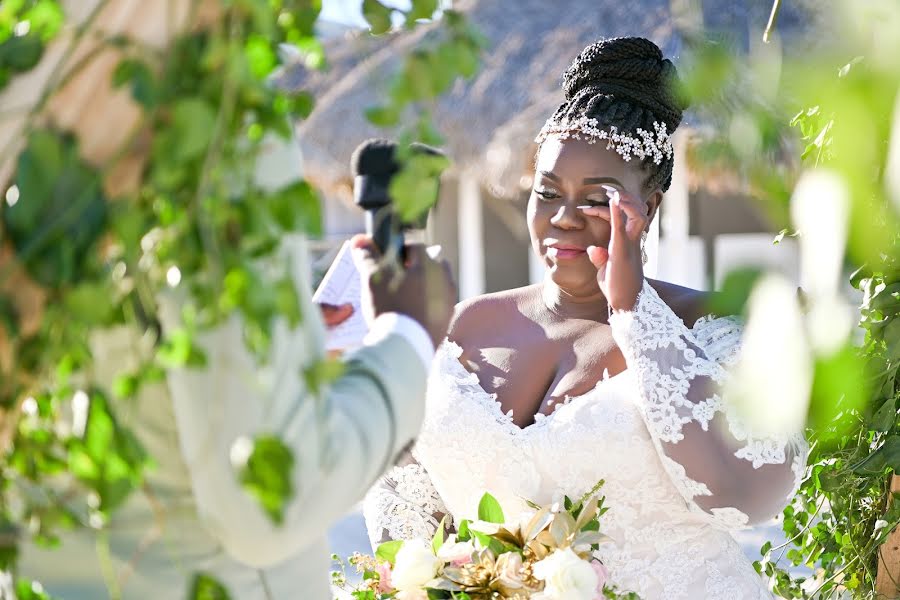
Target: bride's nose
x=568 y=217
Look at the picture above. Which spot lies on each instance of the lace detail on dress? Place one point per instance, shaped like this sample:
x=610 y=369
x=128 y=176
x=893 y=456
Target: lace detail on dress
x=403 y=505
x=680 y=372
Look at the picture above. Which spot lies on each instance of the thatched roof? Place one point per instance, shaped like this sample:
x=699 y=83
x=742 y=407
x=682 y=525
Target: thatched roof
x=490 y=121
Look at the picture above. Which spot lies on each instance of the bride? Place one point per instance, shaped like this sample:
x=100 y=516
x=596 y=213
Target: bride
x=598 y=373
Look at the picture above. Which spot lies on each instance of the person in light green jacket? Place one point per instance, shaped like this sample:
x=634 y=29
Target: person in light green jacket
x=193 y=515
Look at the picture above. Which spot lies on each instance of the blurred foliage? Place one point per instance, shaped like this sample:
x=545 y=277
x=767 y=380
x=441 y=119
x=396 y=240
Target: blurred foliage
x=26 y=26
x=426 y=73
x=197 y=226
x=830 y=107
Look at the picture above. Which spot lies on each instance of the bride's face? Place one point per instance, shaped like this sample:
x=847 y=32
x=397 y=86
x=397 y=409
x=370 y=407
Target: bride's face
x=570 y=173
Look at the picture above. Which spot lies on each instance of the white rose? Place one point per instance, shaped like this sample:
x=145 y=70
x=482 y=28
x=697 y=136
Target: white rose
x=566 y=577
x=414 y=566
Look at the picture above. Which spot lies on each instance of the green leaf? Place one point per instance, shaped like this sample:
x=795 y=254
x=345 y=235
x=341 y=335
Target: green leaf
x=302 y=104
x=260 y=56
x=321 y=374
x=296 y=208
x=489 y=510
x=464 y=534
x=735 y=291
x=383 y=116
x=143 y=84
x=892 y=339
x=421 y=9
x=179 y=350
x=90 y=303
x=885 y=417
x=839 y=388
x=31 y=590
x=61 y=212
x=388 y=550
x=21 y=53
x=267 y=475
x=438 y=540
x=206 y=587
x=415 y=188
x=193 y=121
x=887 y=456
x=378 y=16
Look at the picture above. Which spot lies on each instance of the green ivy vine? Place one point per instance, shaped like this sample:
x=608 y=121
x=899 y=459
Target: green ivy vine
x=197 y=220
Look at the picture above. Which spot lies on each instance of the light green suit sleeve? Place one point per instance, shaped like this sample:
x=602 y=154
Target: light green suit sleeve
x=341 y=443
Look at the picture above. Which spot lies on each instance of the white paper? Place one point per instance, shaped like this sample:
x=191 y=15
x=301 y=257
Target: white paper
x=341 y=285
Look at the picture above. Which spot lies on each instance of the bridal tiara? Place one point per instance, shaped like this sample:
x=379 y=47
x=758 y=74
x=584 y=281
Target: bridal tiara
x=645 y=144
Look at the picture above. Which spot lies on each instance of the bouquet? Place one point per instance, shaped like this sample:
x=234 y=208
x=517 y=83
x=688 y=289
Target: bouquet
x=547 y=556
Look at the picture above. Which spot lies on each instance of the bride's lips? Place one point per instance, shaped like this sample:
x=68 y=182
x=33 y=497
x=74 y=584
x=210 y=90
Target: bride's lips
x=565 y=251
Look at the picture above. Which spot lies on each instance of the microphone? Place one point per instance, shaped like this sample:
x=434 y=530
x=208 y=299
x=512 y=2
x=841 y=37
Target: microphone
x=374 y=163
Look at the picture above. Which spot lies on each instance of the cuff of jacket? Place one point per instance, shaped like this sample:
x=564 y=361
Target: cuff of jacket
x=408 y=328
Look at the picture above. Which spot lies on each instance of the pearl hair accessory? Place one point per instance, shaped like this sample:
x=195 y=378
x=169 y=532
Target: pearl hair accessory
x=645 y=144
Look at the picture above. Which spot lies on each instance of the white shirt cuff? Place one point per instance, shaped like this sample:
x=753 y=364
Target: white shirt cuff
x=390 y=323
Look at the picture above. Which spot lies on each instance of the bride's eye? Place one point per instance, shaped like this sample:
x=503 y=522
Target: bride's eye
x=547 y=194
x=597 y=200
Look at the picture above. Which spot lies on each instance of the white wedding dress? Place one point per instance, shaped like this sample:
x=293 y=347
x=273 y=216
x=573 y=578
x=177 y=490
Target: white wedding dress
x=651 y=432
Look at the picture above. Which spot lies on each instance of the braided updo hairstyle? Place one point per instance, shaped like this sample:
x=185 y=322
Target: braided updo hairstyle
x=626 y=83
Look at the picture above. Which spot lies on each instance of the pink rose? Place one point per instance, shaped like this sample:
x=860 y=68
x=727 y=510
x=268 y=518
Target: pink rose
x=602 y=577
x=384 y=578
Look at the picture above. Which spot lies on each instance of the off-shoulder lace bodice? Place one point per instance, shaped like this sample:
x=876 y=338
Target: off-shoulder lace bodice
x=681 y=469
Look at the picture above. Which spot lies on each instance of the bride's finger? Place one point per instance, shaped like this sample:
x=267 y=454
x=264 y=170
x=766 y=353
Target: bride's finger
x=636 y=216
x=595 y=211
x=597 y=255
x=617 y=219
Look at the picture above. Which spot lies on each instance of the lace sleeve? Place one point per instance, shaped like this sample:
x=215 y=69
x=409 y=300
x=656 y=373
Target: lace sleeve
x=403 y=504
x=729 y=474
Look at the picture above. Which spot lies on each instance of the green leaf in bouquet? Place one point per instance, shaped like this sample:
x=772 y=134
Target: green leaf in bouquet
x=438 y=540
x=489 y=510
x=206 y=587
x=388 y=550
x=463 y=534
x=588 y=514
x=266 y=474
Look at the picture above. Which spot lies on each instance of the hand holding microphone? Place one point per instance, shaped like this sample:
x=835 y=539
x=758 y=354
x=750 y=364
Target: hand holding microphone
x=397 y=277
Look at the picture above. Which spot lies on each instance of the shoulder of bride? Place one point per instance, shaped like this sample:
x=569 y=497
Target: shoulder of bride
x=689 y=304
x=472 y=314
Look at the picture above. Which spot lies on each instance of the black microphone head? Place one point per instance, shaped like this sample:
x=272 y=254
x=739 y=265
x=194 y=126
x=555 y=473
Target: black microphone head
x=375 y=157
x=373 y=164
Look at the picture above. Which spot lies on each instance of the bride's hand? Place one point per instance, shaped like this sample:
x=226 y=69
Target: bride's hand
x=620 y=270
